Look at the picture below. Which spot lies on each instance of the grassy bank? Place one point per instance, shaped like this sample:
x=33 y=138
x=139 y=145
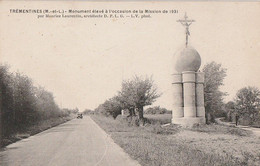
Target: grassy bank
x=159 y=118
x=37 y=128
x=153 y=145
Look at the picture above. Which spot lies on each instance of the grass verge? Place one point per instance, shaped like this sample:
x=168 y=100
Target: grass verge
x=221 y=129
x=173 y=146
x=37 y=128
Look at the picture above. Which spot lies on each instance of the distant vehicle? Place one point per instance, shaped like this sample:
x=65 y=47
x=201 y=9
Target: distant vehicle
x=80 y=116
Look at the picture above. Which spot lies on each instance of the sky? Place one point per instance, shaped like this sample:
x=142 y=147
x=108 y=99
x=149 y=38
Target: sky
x=83 y=61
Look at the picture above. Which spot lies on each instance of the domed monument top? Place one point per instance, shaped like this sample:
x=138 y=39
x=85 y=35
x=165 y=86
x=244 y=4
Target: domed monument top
x=188 y=59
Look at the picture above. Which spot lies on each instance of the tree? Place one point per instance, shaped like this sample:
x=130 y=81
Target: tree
x=6 y=80
x=139 y=92
x=88 y=111
x=22 y=104
x=214 y=77
x=230 y=108
x=101 y=110
x=247 y=103
x=113 y=106
x=24 y=100
x=126 y=97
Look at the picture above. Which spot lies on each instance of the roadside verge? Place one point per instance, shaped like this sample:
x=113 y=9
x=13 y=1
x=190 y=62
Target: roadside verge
x=37 y=128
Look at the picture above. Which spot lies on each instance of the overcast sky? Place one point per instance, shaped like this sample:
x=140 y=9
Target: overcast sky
x=83 y=61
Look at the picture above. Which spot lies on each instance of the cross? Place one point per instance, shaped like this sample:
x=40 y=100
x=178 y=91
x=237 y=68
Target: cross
x=186 y=22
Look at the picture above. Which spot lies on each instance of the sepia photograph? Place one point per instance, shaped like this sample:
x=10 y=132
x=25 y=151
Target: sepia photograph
x=129 y=83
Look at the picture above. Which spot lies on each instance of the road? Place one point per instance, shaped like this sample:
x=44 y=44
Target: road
x=79 y=142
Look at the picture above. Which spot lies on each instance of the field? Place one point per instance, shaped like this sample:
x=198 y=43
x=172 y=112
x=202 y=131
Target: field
x=153 y=145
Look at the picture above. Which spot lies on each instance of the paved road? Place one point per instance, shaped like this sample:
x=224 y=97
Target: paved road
x=79 y=142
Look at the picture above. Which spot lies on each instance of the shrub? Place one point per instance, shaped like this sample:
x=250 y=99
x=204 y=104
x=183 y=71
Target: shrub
x=157 y=110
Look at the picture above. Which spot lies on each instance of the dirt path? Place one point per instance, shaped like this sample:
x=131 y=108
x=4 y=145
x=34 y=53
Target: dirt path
x=256 y=131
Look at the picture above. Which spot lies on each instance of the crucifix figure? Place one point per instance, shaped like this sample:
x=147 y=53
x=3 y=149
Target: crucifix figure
x=186 y=23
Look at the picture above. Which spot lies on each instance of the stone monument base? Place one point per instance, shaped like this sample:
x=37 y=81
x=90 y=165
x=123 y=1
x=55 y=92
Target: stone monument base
x=189 y=121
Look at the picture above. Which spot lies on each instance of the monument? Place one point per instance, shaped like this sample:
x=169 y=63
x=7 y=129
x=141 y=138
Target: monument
x=187 y=84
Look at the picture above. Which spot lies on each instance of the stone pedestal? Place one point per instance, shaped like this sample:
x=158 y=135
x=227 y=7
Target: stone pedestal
x=188 y=80
x=177 y=96
x=188 y=98
x=200 y=95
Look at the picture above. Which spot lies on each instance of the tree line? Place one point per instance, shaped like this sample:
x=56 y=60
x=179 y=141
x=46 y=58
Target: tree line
x=23 y=104
x=139 y=92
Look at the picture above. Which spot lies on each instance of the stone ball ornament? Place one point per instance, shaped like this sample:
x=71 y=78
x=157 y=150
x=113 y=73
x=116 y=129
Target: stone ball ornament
x=187 y=59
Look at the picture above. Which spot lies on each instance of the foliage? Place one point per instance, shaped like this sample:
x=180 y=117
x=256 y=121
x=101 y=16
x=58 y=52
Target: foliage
x=23 y=104
x=157 y=110
x=214 y=77
x=247 y=103
x=134 y=95
x=88 y=112
x=70 y=111
x=229 y=108
x=138 y=92
x=111 y=107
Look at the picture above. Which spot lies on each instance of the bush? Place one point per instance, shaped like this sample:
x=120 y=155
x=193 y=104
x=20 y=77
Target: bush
x=110 y=107
x=157 y=110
